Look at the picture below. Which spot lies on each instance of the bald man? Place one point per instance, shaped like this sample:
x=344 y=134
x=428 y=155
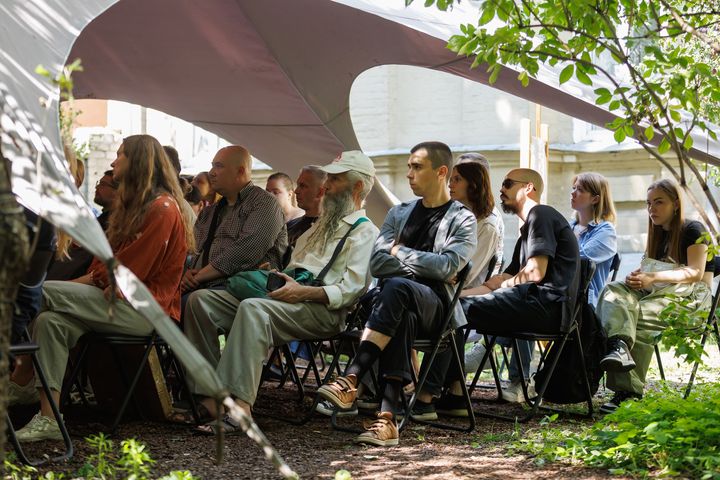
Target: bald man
x=540 y=285
x=242 y=231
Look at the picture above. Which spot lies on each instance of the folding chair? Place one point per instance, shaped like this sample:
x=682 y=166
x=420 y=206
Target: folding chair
x=587 y=269
x=149 y=342
x=341 y=344
x=711 y=323
x=31 y=349
x=445 y=340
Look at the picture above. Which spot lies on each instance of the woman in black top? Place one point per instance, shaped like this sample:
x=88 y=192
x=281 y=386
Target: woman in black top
x=675 y=266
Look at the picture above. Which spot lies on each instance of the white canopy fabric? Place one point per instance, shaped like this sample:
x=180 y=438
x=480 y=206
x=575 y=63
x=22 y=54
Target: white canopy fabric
x=274 y=75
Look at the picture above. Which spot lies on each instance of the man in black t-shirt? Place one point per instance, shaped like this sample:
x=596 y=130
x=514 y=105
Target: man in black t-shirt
x=537 y=291
x=421 y=247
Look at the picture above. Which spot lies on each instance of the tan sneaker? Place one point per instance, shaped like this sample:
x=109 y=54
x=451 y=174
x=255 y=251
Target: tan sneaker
x=22 y=394
x=39 y=428
x=383 y=432
x=341 y=393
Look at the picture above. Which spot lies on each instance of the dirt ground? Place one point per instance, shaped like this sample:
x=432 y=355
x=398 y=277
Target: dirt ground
x=315 y=450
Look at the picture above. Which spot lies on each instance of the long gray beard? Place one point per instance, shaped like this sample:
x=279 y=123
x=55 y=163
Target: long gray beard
x=334 y=209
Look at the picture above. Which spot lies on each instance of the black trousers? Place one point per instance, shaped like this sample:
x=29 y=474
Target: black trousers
x=404 y=310
x=505 y=311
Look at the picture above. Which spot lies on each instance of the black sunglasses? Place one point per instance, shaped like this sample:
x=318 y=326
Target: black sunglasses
x=509 y=182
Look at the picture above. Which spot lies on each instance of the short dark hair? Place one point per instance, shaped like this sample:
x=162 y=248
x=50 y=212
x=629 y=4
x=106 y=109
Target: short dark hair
x=284 y=178
x=438 y=153
x=174 y=157
x=192 y=196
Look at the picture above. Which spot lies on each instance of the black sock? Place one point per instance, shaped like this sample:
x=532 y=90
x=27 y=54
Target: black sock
x=391 y=396
x=367 y=353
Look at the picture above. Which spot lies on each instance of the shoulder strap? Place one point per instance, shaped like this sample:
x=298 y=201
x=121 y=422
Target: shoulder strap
x=338 y=249
x=211 y=232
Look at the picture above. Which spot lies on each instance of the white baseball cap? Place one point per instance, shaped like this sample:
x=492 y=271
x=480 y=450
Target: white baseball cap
x=354 y=160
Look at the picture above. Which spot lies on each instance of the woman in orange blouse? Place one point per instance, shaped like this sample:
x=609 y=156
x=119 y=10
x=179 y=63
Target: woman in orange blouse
x=150 y=232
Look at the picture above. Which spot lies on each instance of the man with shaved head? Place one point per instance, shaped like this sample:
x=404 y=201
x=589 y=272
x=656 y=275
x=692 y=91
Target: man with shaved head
x=242 y=231
x=539 y=287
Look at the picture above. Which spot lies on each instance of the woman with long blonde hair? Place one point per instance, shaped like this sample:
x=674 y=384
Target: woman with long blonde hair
x=593 y=226
x=675 y=267
x=150 y=233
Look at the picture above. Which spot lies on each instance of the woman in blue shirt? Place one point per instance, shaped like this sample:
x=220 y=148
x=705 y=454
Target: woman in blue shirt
x=593 y=226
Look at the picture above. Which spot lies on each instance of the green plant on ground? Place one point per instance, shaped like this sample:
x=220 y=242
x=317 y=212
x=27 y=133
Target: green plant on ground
x=132 y=463
x=662 y=434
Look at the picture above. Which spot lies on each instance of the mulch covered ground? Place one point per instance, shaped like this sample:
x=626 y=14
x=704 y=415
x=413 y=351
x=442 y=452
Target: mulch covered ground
x=317 y=451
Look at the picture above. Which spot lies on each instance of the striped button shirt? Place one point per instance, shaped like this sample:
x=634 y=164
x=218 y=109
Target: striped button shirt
x=249 y=233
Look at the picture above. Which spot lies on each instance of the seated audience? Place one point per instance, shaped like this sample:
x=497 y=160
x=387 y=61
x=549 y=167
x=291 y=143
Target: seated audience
x=539 y=287
x=593 y=226
x=675 y=267
x=295 y=310
x=422 y=246
x=241 y=231
x=150 y=234
x=281 y=185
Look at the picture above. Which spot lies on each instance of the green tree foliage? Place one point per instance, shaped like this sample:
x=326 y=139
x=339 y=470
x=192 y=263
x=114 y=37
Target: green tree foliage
x=653 y=63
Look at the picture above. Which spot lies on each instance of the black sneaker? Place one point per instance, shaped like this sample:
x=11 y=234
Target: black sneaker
x=452 y=406
x=423 y=411
x=617 y=399
x=618 y=358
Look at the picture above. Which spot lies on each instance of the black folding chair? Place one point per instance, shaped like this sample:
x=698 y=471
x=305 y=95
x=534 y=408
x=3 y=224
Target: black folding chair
x=572 y=334
x=130 y=379
x=31 y=349
x=445 y=340
x=710 y=324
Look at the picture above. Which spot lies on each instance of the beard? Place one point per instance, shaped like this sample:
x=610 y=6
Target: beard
x=335 y=207
x=509 y=209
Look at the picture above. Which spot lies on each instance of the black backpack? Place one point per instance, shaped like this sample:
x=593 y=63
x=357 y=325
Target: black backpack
x=566 y=383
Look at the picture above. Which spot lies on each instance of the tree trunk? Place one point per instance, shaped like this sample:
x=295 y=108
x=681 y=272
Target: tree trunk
x=14 y=255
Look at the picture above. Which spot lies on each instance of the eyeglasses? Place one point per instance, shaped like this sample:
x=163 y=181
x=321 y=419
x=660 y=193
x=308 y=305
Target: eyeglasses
x=509 y=182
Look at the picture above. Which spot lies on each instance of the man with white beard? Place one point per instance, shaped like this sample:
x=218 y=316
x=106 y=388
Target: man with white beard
x=294 y=311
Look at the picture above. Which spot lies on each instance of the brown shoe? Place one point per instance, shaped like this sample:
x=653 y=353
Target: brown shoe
x=341 y=393
x=383 y=432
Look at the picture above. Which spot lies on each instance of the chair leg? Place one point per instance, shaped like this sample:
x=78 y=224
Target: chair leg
x=696 y=365
x=130 y=395
x=58 y=418
x=659 y=362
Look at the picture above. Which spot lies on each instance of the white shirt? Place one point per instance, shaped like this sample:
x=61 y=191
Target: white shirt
x=349 y=276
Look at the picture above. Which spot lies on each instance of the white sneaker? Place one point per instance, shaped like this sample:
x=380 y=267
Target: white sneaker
x=474 y=356
x=514 y=394
x=23 y=394
x=39 y=428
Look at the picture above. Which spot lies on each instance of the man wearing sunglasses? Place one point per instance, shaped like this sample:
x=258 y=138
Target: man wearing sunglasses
x=540 y=285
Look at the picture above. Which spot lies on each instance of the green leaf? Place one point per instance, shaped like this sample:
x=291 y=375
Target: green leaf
x=688 y=143
x=42 y=71
x=619 y=135
x=494 y=74
x=488 y=14
x=675 y=115
x=524 y=79
x=664 y=146
x=649 y=132
x=583 y=77
x=567 y=73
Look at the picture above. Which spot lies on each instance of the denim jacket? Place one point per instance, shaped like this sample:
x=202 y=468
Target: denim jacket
x=455 y=243
x=599 y=244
